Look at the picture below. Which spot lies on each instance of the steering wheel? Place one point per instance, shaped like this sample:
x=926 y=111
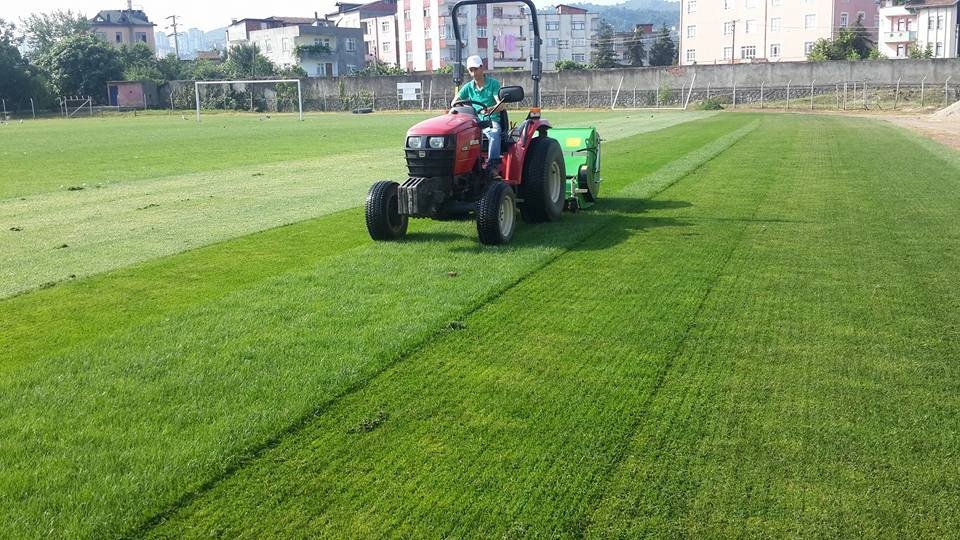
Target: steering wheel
x=470 y=102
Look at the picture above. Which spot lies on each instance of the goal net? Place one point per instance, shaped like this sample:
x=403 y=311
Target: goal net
x=271 y=95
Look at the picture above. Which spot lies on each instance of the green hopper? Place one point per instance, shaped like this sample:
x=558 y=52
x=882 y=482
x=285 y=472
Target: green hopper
x=581 y=156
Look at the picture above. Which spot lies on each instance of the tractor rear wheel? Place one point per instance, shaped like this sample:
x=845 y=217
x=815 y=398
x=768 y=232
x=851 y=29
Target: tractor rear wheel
x=544 y=181
x=384 y=221
x=497 y=214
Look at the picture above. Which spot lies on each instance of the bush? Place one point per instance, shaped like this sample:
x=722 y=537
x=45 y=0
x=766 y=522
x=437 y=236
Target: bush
x=712 y=104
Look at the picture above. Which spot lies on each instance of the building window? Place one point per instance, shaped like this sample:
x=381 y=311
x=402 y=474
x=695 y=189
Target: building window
x=930 y=23
x=725 y=4
x=939 y=22
x=776 y=24
x=409 y=57
x=498 y=12
x=103 y=35
x=481 y=10
x=901 y=50
x=563 y=43
x=774 y=50
x=118 y=37
x=406 y=36
x=426 y=12
x=579 y=57
x=385 y=46
x=553 y=25
x=691 y=55
x=807 y=47
x=939 y=50
x=728 y=28
x=428 y=54
x=809 y=22
x=577 y=26
x=350 y=44
x=691 y=6
x=844 y=19
x=580 y=42
x=141 y=37
x=728 y=53
x=748 y=52
x=285 y=44
x=406 y=14
x=692 y=31
x=551 y=42
x=385 y=26
x=481 y=31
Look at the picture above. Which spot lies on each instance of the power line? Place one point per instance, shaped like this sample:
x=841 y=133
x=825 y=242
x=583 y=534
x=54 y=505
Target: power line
x=176 y=35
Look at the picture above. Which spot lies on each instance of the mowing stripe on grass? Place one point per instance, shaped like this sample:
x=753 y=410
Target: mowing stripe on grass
x=798 y=402
x=173 y=401
x=64 y=235
x=506 y=426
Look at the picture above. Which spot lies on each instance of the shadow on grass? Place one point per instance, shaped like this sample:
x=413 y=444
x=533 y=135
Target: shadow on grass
x=607 y=224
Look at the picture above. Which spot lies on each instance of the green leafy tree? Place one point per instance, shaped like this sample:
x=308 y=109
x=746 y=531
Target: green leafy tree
x=442 y=70
x=246 y=62
x=202 y=70
x=82 y=64
x=636 y=50
x=139 y=63
x=850 y=44
x=918 y=53
x=19 y=81
x=570 y=65
x=41 y=31
x=603 y=54
x=663 y=52
x=377 y=68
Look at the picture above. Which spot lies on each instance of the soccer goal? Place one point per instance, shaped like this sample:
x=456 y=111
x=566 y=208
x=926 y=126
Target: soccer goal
x=198 y=84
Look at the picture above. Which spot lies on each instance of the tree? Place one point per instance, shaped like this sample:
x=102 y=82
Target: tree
x=635 y=49
x=376 y=68
x=850 y=44
x=81 y=65
x=917 y=53
x=603 y=54
x=19 y=81
x=664 y=51
x=246 y=62
x=139 y=63
x=570 y=65
x=41 y=31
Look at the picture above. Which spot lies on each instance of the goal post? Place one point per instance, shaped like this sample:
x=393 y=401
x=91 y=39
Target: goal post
x=198 y=84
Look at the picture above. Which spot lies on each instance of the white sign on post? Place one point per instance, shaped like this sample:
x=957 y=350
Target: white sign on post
x=410 y=91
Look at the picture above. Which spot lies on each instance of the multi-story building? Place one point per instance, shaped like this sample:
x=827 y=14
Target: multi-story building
x=568 y=34
x=316 y=45
x=500 y=34
x=378 y=23
x=124 y=27
x=926 y=25
x=718 y=31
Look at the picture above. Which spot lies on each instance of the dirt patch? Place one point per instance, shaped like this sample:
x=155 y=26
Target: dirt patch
x=943 y=129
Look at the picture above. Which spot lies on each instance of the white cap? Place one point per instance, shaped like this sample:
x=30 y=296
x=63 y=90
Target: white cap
x=474 y=62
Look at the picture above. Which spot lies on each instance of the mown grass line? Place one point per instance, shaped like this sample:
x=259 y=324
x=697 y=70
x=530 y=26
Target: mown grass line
x=506 y=426
x=823 y=404
x=64 y=235
x=171 y=400
x=41 y=322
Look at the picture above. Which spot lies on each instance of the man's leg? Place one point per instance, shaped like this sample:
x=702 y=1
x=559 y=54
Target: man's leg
x=494 y=134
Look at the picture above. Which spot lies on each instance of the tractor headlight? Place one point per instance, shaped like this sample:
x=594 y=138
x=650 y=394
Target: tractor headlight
x=436 y=142
x=415 y=142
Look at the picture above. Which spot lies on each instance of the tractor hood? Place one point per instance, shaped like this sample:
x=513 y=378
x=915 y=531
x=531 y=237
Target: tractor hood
x=447 y=124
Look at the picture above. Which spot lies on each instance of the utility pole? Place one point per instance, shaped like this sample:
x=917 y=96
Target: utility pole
x=733 y=40
x=176 y=35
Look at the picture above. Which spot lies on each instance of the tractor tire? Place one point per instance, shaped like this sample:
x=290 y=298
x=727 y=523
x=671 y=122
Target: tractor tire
x=544 y=182
x=384 y=221
x=497 y=215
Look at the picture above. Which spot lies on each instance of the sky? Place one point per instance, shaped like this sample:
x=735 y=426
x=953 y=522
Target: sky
x=191 y=13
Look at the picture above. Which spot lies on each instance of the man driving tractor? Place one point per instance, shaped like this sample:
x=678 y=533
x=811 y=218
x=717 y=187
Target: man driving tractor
x=483 y=89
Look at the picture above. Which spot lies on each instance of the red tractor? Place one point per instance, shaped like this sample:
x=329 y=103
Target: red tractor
x=446 y=158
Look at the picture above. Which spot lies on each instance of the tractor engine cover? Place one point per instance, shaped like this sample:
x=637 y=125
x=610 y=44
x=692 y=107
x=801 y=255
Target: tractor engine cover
x=422 y=197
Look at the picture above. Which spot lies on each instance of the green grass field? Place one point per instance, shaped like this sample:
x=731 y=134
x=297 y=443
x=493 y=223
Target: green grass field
x=755 y=334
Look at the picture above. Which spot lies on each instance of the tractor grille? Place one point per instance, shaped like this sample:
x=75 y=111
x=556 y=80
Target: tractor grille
x=429 y=162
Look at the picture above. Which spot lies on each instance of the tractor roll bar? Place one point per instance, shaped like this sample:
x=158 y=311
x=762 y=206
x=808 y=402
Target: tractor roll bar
x=536 y=68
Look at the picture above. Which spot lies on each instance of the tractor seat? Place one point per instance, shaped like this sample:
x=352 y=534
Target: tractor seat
x=506 y=137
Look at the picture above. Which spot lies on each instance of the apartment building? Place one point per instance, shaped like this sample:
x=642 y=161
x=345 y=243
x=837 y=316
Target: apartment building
x=731 y=31
x=500 y=34
x=319 y=47
x=124 y=27
x=922 y=24
x=378 y=24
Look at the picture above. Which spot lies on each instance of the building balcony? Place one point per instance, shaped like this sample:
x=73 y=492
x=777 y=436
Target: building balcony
x=899 y=37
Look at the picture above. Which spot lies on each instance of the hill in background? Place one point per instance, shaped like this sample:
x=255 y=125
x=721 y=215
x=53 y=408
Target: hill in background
x=625 y=15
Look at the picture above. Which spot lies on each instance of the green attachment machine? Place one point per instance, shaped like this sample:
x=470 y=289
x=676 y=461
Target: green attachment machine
x=581 y=157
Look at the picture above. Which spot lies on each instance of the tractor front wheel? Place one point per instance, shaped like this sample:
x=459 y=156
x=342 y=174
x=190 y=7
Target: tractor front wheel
x=384 y=221
x=497 y=214
x=544 y=181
